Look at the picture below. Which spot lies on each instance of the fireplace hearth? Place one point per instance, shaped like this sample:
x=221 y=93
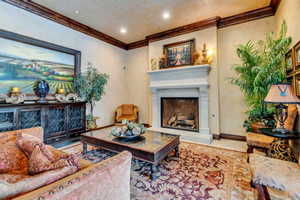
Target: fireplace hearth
x=180 y=113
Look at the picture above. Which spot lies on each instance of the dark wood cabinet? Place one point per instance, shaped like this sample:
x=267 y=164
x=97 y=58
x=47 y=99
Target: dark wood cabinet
x=59 y=120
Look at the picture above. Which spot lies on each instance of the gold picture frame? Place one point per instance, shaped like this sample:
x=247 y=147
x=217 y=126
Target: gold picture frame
x=289 y=59
x=296 y=55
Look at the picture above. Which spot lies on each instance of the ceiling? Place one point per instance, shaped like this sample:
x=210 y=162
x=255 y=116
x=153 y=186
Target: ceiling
x=144 y=17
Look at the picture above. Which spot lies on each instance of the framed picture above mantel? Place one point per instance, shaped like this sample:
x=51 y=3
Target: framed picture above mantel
x=24 y=60
x=179 y=54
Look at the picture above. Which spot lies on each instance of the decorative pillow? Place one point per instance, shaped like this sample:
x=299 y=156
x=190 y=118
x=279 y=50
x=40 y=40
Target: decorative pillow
x=28 y=142
x=40 y=162
x=12 y=159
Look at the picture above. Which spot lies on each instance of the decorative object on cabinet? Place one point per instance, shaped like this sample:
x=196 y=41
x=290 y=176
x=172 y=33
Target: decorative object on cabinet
x=59 y=120
x=32 y=60
x=41 y=89
x=297 y=55
x=15 y=91
x=154 y=64
x=60 y=91
x=15 y=99
x=90 y=86
x=289 y=59
x=179 y=53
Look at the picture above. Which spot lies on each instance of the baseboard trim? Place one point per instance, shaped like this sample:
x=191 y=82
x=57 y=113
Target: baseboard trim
x=229 y=137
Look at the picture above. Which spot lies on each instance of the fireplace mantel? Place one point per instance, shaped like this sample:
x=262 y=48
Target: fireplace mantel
x=189 y=81
x=180 y=77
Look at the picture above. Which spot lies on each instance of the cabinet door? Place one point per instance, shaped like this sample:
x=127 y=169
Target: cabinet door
x=55 y=122
x=76 y=117
x=29 y=117
x=7 y=119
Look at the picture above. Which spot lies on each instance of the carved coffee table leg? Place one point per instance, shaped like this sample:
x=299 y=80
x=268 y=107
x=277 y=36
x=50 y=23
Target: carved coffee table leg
x=84 y=148
x=177 y=151
x=154 y=170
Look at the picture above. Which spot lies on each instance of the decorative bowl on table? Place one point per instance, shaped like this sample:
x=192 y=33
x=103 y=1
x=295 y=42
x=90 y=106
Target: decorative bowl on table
x=128 y=130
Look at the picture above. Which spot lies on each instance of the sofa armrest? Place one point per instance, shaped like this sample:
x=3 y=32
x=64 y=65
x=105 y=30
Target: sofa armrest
x=106 y=180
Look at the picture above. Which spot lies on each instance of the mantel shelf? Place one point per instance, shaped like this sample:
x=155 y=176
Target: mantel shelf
x=183 y=68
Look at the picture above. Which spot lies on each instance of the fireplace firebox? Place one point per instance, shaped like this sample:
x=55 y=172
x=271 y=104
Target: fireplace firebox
x=180 y=113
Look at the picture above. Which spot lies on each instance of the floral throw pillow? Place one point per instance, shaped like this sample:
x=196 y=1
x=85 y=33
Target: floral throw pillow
x=40 y=162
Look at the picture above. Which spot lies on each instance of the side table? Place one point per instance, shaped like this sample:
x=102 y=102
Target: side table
x=280 y=148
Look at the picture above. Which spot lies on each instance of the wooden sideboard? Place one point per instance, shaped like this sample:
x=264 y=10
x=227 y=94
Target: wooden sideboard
x=59 y=120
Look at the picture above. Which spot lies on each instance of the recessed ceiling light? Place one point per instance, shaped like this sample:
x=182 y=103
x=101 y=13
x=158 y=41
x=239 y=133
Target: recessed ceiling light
x=77 y=12
x=123 y=30
x=166 y=15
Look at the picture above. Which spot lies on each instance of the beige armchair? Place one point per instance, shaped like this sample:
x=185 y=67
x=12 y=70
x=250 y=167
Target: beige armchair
x=127 y=111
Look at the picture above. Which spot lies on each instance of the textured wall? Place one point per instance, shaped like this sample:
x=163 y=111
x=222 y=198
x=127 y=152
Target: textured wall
x=289 y=11
x=137 y=81
x=232 y=106
x=109 y=59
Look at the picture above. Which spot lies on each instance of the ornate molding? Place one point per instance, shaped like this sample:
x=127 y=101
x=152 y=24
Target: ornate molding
x=61 y=19
x=207 y=23
x=246 y=17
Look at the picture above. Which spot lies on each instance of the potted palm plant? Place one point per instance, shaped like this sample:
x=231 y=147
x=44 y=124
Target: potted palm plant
x=262 y=65
x=91 y=86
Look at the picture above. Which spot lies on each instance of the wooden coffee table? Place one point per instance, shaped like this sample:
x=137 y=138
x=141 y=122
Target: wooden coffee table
x=152 y=147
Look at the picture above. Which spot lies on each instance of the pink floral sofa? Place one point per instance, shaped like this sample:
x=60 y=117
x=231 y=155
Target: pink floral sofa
x=106 y=180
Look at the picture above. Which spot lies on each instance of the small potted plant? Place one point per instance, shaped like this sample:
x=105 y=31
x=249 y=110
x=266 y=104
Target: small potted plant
x=91 y=86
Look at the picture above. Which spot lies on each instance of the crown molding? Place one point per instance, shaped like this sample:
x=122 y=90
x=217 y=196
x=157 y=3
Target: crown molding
x=219 y=22
x=137 y=44
x=274 y=4
x=246 y=17
x=207 y=23
x=61 y=19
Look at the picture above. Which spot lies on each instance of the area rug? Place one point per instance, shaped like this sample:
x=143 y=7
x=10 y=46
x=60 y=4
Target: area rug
x=200 y=173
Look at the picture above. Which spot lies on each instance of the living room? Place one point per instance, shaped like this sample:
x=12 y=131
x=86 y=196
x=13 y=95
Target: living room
x=138 y=100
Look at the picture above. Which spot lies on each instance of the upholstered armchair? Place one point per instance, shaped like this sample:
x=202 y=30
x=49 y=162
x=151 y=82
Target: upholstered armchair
x=127 y=111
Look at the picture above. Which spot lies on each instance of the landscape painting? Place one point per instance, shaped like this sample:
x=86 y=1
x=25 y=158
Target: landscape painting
x=21 y=64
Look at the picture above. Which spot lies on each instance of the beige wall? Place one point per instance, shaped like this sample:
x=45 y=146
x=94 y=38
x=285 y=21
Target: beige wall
x=289 y=11
x=232 y=106
x=109 y=59
x=137 y=81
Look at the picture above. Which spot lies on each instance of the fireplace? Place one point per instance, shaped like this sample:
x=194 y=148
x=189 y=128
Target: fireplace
x=180 y=113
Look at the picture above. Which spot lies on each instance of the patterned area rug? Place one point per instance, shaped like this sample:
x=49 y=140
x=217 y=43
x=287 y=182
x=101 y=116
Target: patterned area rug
x=201 y=173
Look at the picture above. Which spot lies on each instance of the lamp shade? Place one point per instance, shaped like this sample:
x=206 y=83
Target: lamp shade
x=281 y=93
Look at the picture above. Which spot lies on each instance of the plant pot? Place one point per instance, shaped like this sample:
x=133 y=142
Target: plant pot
x=92 y=124
x=256 y=126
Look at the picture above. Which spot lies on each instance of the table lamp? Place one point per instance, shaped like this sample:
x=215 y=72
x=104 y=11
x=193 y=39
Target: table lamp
x=281 y=94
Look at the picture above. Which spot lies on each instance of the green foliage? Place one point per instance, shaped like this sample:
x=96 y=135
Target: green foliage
x=262 y=64
x=91 y=86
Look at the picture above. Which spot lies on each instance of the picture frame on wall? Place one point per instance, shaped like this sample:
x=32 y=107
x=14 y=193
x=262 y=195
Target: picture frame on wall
x=179 y=54
x=296 y=52
x=297 y=85
x=24 y=60
x=289 y=59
